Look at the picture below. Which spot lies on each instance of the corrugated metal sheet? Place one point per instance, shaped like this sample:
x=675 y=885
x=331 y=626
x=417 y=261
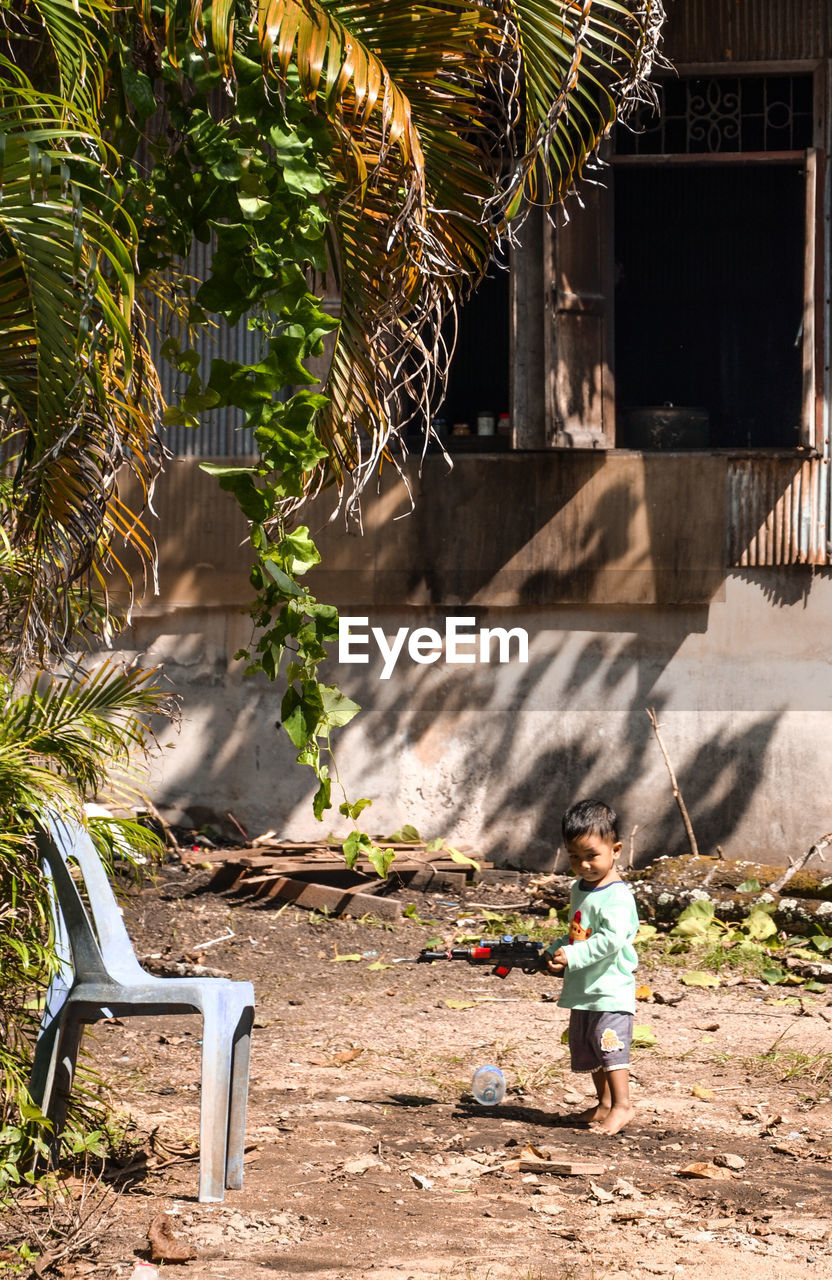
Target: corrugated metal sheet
x=219 y=436
x=748 y=30
x=778 y=511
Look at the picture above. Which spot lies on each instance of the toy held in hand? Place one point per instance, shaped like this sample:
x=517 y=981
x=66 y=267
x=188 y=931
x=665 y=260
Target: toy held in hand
x=512 y=951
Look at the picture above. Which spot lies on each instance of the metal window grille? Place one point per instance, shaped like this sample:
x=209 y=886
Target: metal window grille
x=722 y=115
x=220 y=433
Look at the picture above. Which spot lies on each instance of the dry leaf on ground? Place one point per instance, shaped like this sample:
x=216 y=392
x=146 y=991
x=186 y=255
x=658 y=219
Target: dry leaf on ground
x=164 y=1245
x=346 y=1055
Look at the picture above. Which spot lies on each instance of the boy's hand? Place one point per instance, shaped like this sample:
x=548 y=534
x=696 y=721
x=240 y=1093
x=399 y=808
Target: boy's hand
x=556 y=963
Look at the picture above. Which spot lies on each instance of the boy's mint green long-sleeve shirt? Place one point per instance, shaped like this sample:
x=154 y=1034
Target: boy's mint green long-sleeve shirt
x=601 y=958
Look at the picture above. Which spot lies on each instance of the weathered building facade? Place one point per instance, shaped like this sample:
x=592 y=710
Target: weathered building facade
x=657 y=521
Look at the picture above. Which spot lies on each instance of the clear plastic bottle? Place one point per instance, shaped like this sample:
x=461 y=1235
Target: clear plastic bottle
x=488 y=1086
x=144 y=1271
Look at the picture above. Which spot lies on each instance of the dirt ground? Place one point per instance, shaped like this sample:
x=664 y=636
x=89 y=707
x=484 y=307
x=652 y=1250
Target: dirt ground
x=367 y=1157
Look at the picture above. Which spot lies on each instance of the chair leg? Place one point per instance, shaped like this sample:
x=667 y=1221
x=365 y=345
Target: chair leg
x=241 y=1057
x=66 y=1057
x=42 y=1077
x=46 y=1048
x=213 y=1113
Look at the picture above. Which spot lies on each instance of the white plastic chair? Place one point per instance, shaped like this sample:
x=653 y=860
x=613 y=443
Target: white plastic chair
x=104 y=979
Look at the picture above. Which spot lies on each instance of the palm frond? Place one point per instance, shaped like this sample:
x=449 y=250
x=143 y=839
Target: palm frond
x=75 y=374
x=82 y=728
x=584 y=63
x=78 y=34
x=489 y=91
x=29 y=785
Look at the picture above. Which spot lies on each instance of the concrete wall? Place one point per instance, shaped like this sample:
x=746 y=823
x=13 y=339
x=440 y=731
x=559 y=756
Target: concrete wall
x=737 y=664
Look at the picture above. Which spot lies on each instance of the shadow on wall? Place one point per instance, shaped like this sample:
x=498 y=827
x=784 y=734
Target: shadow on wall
x=531 y=529
x=783 y=589
x=514 y=758
x=227 y=758
x=492 y=755
x=516 y=746
x=718 y=781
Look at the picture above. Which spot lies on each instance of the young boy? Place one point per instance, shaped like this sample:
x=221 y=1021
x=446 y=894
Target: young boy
x=598 y=962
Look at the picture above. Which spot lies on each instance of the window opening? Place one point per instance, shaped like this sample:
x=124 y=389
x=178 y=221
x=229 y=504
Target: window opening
x=709 y=306
x=710 y=265
x=475 y=412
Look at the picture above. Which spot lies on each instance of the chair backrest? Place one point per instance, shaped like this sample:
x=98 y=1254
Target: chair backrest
x=101 y=947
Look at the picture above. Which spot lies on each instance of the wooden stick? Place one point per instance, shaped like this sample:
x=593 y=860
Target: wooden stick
x=795 y=866
x=243 y=833
x=694 y=848
x=632 y=847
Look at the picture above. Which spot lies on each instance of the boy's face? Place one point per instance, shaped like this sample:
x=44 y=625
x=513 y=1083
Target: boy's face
x=592 y=857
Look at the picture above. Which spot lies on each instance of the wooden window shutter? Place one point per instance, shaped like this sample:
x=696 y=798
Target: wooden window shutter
x=580 y=390
x=811 y=418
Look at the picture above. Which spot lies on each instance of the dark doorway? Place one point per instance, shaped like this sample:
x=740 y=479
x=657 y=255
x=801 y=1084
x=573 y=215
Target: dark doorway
x=709 y=297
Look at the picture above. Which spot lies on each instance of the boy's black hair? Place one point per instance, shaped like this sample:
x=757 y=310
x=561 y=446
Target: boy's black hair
x=590 y=818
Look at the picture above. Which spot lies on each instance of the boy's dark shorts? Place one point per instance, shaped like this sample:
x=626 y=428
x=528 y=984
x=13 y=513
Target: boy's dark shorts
x=599 y=1040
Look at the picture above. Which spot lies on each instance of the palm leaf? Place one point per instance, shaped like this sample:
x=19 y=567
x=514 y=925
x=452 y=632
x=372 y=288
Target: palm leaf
x=64 y=246
x=337 y=68
x=405 y=262
x=84 y=727
x=584 y=64
x=77 y=32
x=68 y=345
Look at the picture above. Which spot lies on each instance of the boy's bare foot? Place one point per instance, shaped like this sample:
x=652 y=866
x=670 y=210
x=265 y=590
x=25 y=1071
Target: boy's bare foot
x=593 y=1115
x=617 y=1118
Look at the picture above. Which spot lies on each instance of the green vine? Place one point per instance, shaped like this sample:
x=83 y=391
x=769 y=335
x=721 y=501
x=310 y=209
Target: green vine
x=248 y=174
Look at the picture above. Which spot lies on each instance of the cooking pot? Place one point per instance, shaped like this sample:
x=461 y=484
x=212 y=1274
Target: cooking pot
x=666 y=426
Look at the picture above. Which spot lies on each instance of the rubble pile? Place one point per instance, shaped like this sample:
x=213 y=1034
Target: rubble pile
x=663 y=889
x=315 y=875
